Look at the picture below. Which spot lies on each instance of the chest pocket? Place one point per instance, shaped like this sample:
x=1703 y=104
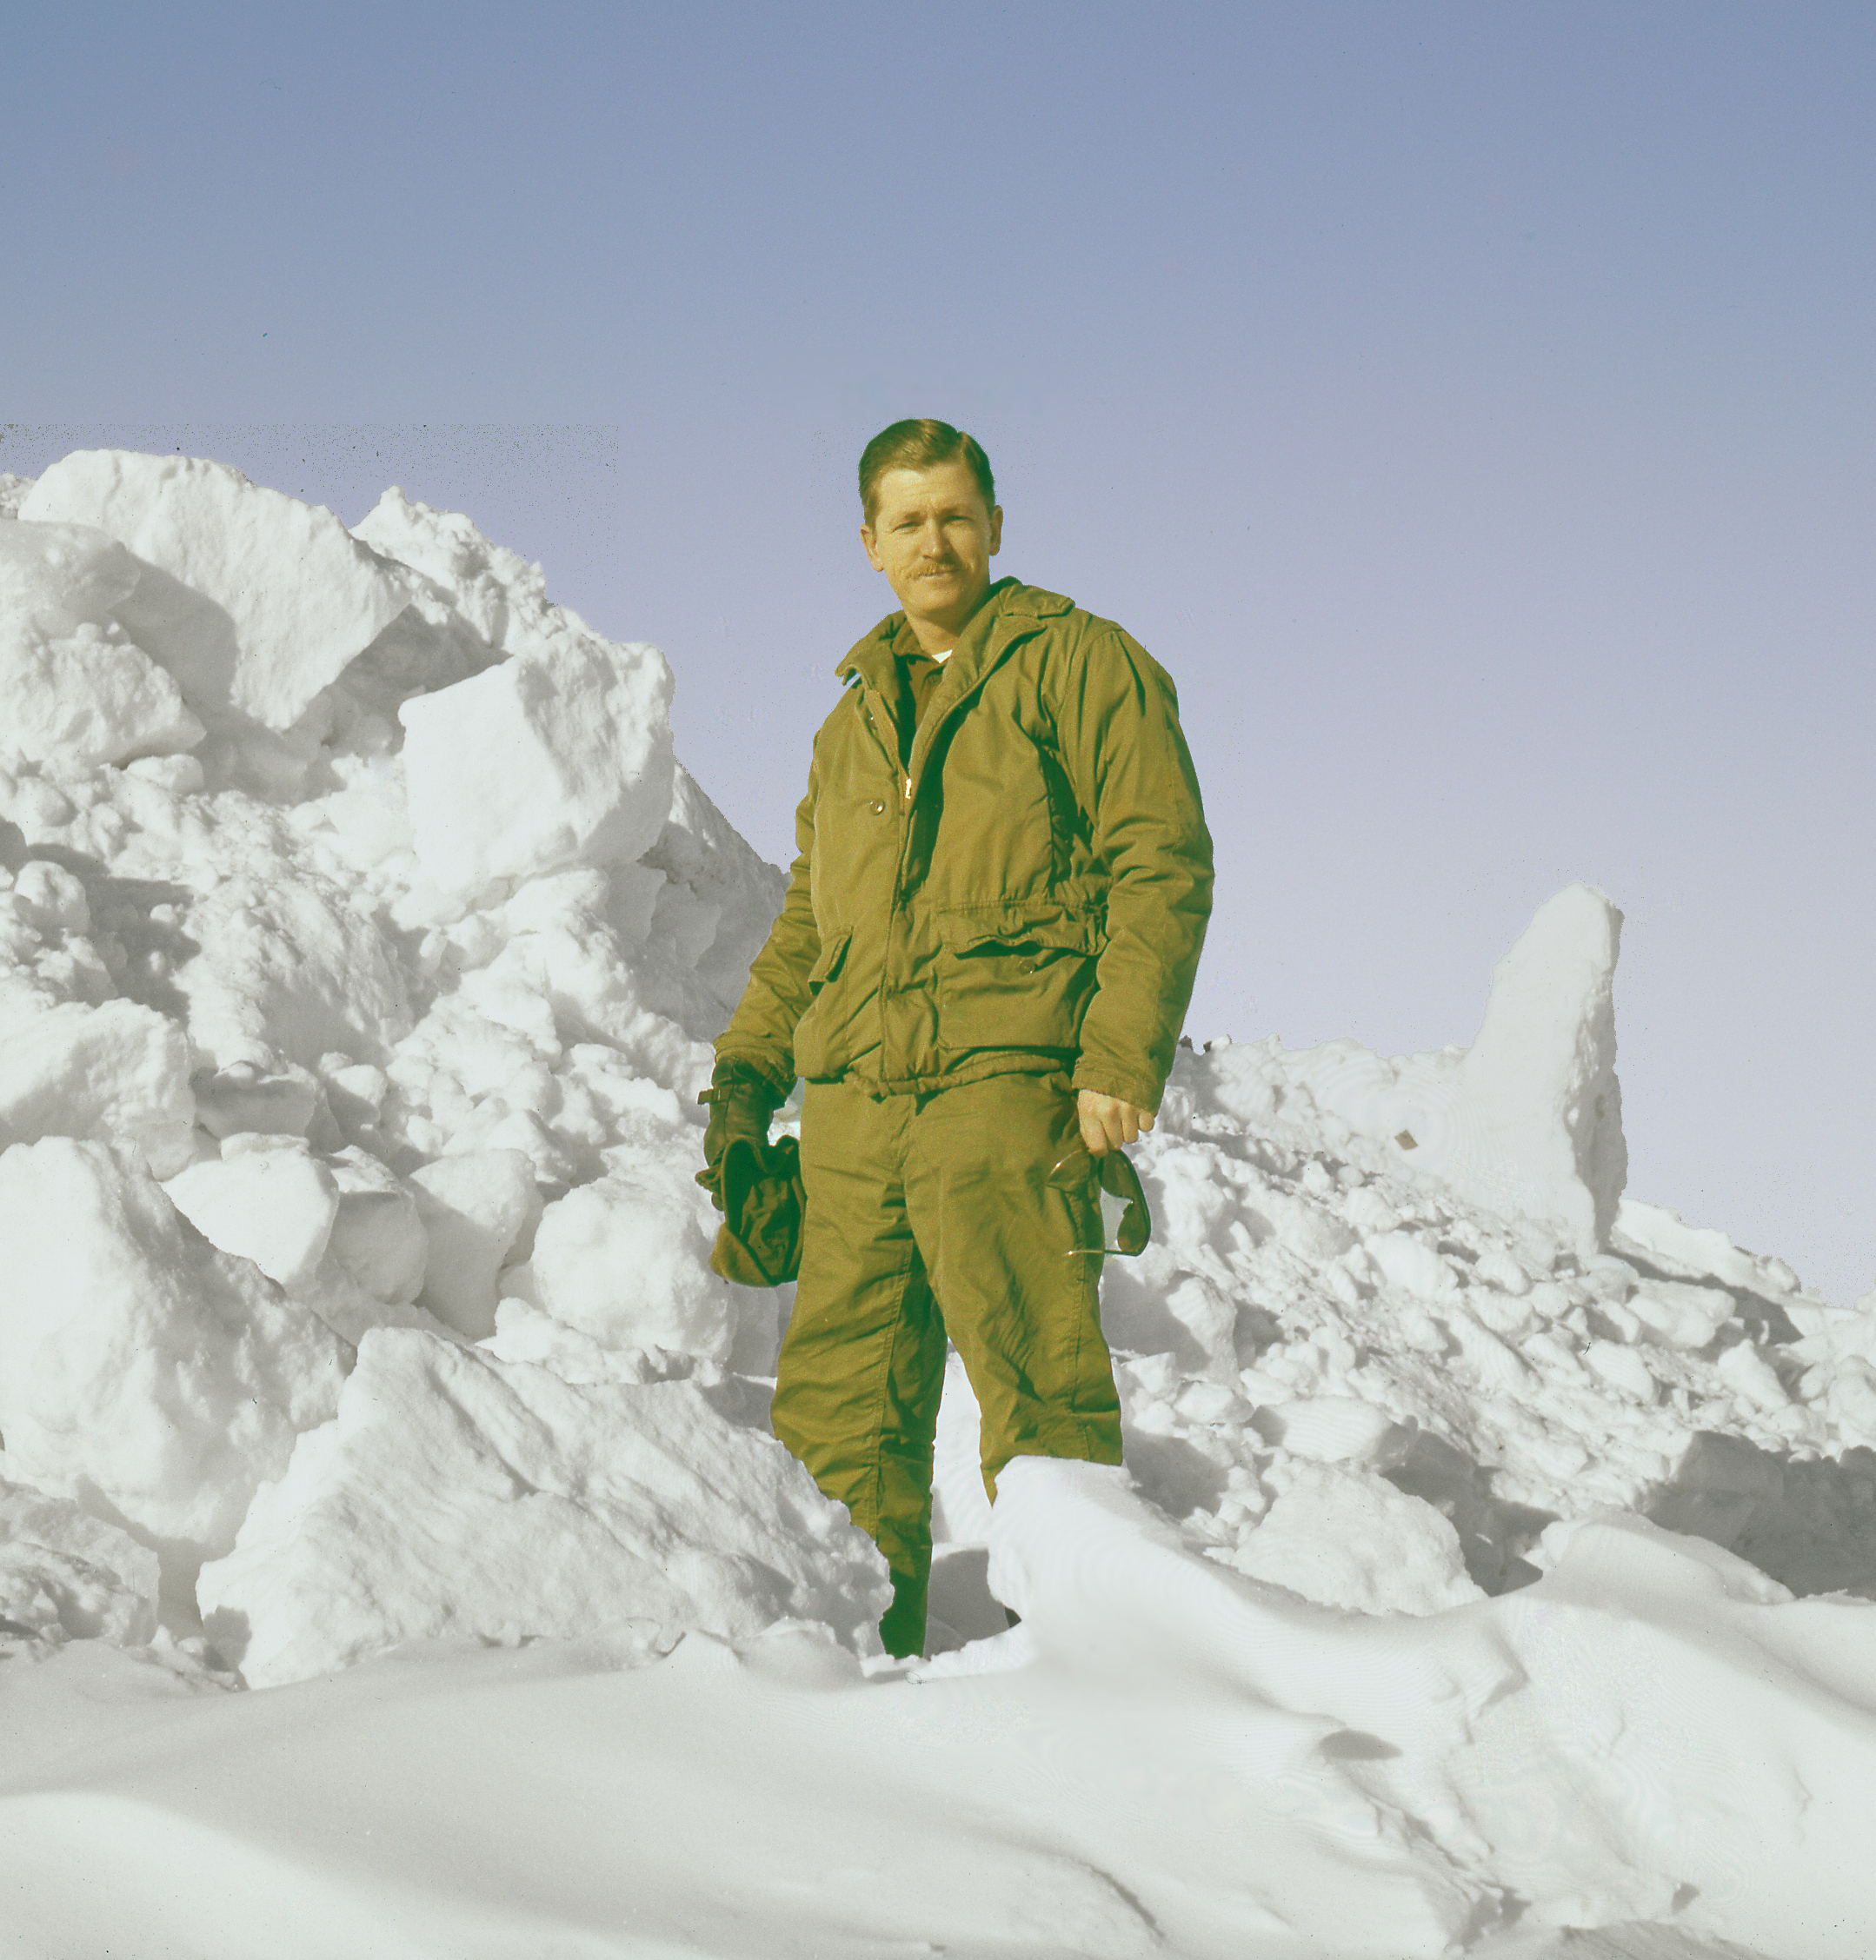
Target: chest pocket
x=1010 y=982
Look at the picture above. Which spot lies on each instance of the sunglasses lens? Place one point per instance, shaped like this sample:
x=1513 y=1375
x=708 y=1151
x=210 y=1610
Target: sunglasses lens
x=1113 y=1171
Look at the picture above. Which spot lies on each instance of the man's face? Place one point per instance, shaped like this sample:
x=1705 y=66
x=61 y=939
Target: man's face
x=933 y=539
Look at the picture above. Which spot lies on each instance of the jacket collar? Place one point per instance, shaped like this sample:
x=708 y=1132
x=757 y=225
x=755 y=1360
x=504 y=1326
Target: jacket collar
x=1011 y=610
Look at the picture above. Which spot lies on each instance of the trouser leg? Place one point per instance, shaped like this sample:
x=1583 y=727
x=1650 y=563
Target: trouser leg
x=1019 y=1301
x=862 y=1367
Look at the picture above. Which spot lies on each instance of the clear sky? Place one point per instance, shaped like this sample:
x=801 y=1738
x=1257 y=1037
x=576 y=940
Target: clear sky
x=1471 y=405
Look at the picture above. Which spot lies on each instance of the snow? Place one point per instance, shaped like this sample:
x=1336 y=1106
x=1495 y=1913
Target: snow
x=275 y=1207
x=143 y=1372
x=258 y=600
x=472 y=1207
x=626 y=1258
x=72 y=681
x=547 y=759
x=113 y=1071
x=1527 y=1120
x=1495 y=1555
x=552 y=1509
x=65 y=1574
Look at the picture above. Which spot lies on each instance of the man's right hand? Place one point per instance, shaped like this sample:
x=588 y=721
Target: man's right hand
x=1109 y=1122
x=742 y=1104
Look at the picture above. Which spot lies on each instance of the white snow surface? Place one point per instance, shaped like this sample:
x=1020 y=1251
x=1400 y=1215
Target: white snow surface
x=1494 y=1554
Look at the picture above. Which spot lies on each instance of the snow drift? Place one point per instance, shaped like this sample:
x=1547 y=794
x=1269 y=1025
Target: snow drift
x=361 y=944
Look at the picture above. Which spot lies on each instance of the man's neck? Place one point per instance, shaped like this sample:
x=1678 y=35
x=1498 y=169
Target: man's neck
x=937 y=636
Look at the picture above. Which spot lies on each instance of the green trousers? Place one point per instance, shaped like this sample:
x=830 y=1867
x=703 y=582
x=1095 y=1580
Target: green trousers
x=927 y=1216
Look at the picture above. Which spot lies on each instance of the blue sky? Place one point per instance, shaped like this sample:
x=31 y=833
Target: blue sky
x=1470 y=406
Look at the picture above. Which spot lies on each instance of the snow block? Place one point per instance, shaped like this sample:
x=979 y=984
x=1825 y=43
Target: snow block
x=473 y=1208
x=496 y=591
x=143 y=1372
x=561 y=754
x=65 y=1574
x=117 y=1072
x=1344 y=1537
x=1541 y=1072
x=377 y=1236
x=275 y=1204
x=290 y=966
x=62 y=575
x=1528 y=1121
x=460 y=1495
x=261 y=601
x=627 y=1259
x=74 y=688
x=243 y=1099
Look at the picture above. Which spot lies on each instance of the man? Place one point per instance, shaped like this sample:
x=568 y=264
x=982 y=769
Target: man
x=980 y=968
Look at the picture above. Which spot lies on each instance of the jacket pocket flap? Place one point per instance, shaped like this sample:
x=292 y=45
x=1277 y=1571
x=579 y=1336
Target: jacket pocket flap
x=964 y=928
x=833 y=951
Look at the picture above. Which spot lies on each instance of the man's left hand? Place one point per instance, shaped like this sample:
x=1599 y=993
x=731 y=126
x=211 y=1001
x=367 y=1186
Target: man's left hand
x=1109 y=1121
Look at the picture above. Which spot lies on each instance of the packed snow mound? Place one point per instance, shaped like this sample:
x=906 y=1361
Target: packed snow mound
x=403 y=978
x=549 y=1508
x=365 y=1079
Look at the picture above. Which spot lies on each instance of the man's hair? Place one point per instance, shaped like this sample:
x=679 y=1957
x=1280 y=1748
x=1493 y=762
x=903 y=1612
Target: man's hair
x=920 y=443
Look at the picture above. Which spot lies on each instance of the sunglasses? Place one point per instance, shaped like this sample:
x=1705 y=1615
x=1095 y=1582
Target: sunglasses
x=1113 y=1171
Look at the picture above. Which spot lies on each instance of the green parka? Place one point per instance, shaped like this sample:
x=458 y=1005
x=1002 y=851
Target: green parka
x=1030 y=894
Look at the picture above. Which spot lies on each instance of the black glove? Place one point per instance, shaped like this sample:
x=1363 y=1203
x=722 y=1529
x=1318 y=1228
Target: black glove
x=742 y=1103
x=759 y=1243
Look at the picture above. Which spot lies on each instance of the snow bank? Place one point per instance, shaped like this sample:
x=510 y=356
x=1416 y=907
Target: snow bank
x=1319 y=1316
x=1443 y=1453
x=1594 y=1794
x=257 y=966
x=547 y=1508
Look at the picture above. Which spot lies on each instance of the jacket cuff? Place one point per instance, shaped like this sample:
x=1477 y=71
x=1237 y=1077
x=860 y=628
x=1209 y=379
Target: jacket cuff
x=761 y=1066
x=1136 y=1089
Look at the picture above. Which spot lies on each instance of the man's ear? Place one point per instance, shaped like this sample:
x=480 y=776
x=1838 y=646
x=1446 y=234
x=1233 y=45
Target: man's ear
x=996 y=529
x=868 y=544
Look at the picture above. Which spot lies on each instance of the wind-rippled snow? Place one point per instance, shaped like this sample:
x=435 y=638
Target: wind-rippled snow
x=1494 y=1554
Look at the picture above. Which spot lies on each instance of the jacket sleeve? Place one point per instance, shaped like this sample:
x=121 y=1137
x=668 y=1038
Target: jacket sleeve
x=1118 y=725
x=761 y=1031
